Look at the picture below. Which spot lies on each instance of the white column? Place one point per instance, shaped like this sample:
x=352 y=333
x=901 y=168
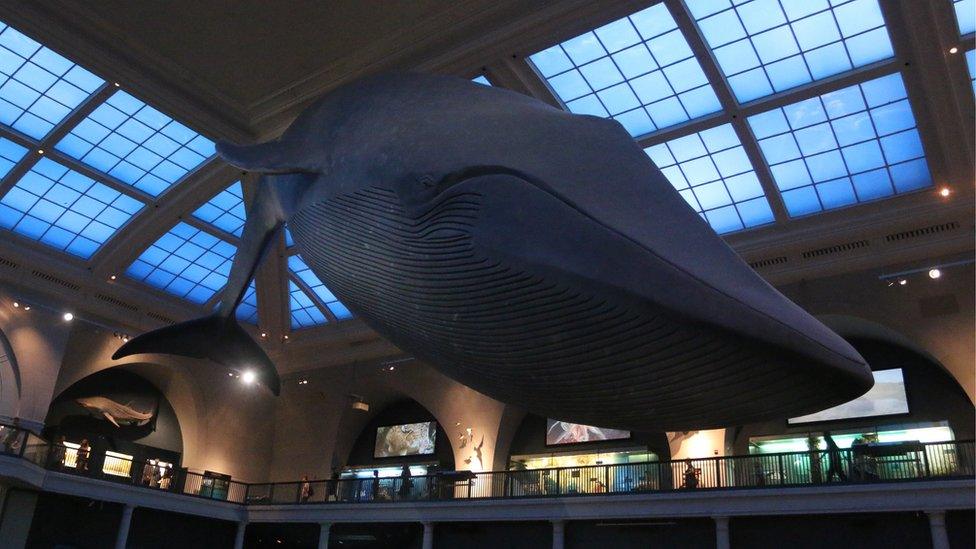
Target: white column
x=123 y=535
x=721 y=532
x=940 y=540
x=428 y=535
x=239 y=536
x=324 y=531
x=558 y=534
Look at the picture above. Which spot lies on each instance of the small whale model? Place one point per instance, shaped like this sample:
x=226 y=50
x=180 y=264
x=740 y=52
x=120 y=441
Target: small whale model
x=534 y=255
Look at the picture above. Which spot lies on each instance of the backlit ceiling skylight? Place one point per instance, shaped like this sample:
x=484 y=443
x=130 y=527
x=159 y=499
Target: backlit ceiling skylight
x=38 y=88
x=304 y=312
x=225 y=211
x=10 y=154
x=965 y=15
x=713 y=174
x=136 y=144
x=971 y=65
x=767 y=46
x=481 y=79
x=844 y=147
x=65 y=209
x=638 y=70
x=305 y=274
x=185 y=262
x=247 y=311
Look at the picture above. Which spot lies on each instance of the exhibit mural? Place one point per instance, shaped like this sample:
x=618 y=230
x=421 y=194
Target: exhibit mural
x=886 y=398
x=408 y=439
x=564 y=432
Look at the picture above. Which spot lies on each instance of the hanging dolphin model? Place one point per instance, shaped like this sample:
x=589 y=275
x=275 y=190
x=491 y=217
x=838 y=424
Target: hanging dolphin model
x=534 y=255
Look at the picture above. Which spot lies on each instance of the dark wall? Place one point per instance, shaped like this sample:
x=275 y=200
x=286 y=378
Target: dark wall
x=407 y=411
x=493 y=535
x=291 y=535
x=377 y=536
x=685 y=533
x=161 y=438
x=530 y=438
x=68 y=522
x=153 y=529
x=933 y=395
x=961 y=528
x=868 y=530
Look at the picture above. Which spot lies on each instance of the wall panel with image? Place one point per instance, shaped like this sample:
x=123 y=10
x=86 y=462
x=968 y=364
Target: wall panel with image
x=886 y=398
x=406 y=439
x=565 y=432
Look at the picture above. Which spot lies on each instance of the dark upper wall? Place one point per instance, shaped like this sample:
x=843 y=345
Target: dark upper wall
x=530 y=438
x=933 y=395
x=407 y=411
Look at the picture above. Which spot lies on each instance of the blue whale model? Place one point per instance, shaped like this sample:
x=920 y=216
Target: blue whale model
x=534 y=255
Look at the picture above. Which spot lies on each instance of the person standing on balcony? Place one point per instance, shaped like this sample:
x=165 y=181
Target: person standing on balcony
x=375 y=492
x=305 y=491
x=833 y=455
x=405 y=482
x=59 y=453
x=84 y=452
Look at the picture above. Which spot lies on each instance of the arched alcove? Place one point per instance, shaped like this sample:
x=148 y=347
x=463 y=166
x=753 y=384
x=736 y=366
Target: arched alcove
x=382 y=443
x=9 y=380
x=120 y=412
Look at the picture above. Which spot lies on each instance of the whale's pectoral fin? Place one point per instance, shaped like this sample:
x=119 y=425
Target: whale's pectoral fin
x=219 y=337
x=109 y=417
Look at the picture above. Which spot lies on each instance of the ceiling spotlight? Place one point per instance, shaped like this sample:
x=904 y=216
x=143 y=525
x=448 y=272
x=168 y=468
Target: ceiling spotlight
x=68 y=317
x=26 y=307
x=40 y=151
x=953 y=49
x=264 y=334
x=230 y=374
x=902 y=281
x=303 y=381
x=391 y=368
x=16 y=305
x=248 y=377
x=890 y=283
x=116 y=84
x=934 y=273
x=113 y=277
x=285 y=337
x=944 y=192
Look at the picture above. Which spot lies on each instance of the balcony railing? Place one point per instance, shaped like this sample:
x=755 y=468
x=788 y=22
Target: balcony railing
x=867 y=464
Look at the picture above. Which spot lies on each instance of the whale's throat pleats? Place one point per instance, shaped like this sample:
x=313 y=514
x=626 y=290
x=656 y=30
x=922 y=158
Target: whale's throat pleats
x=437 y=287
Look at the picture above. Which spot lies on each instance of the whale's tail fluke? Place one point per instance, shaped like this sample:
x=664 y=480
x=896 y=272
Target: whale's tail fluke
x=218 y=338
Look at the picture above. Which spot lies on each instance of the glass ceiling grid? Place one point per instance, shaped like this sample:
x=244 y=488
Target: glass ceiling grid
x=965 y=15
x=638 y=70
x=971 y=65
x=186 y=262
x=768 y=46
x=852 y=145
x=10 y=154
x=225 y=210
x=38 y=87
x=711 y=171
x=136 y=144
x=65 y=209
x=304 y=312
x=300 y=269
x=481 y=79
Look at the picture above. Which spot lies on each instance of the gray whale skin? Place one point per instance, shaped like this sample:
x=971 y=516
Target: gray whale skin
x=537 y=256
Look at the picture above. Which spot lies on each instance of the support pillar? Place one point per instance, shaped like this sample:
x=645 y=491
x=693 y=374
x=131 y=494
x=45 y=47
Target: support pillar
x=325 y=529
x=123 y=536
x=558 y=534
x=428 y=535
x=239 y=535
x=940 y=539
x=721 y=532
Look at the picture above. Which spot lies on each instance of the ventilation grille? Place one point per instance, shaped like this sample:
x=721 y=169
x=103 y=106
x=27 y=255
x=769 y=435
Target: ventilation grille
x=161 y=318
x=836 y=249
x=8 y=263
x=922 y=231
x=117 y=302
x=55 y=280
x=768 y=262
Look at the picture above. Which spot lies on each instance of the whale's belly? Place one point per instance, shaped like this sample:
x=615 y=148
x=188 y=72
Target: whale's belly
x=439 y=285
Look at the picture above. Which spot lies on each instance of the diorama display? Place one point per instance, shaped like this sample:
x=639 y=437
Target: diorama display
x=886 y=398
x=564 y=432
x=408 y=439
x=519 y=249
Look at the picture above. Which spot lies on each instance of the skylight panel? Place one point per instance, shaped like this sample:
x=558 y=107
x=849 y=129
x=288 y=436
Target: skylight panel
x=712 y=173
x=971 y=65
x=247 y=311
x=186 y=262
x=65 y=209
x=38 y=88
x=481 y=79
x=845 y=147
x=289 y=241
x=303 y=272
x=767 y=46
x=304 y=313
x=225 y=211
x=10 y=154
x=638 y=70
x=965 y=15
x=136 y=144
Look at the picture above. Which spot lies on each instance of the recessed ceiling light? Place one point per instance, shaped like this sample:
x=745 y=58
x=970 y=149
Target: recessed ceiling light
x=945 y=191
x=40 y=151
x=953 y=49
x=116 y=84
x=902 y=282
x=303 y=381
x=16 y=304
x=26 y=307
x=113 y=277
x=935 y=273
x=68 y=317
x=248 y=377
x=264 y=334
